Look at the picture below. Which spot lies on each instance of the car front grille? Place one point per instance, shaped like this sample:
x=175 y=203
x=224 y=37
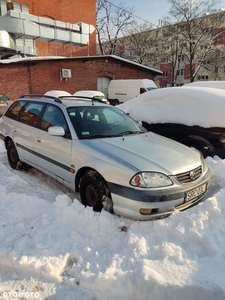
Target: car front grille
x=189 y=176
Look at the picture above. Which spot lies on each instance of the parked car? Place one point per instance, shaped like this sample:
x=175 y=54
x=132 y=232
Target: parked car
x=193 y=116
x=4 y=101
x=95 y=95
x=106 y=156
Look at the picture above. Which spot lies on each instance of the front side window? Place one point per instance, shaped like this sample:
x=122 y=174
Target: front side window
x=53 y=116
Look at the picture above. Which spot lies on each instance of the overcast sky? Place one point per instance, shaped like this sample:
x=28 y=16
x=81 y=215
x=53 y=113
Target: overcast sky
x=152 y=10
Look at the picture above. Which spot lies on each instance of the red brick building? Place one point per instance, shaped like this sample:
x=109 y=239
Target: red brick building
x=38 y=75
x=85 y=70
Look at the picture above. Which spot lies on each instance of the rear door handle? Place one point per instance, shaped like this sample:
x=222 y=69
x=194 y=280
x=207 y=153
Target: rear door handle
x=38 y=140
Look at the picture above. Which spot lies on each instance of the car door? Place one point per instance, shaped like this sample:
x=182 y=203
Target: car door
x=24 y=130
x=53 y=153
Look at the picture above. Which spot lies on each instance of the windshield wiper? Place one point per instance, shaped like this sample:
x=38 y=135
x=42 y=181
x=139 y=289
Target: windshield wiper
x=96 y=136
x=130 y=132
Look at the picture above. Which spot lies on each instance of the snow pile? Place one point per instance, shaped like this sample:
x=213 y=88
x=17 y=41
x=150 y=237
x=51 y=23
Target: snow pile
x=54 y=248
x=186 y=105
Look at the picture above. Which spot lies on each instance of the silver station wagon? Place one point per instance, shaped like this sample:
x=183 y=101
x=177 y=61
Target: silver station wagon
x=99 y=151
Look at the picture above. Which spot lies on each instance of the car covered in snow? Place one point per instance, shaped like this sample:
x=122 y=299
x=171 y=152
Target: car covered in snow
x=193 y=116
x=106 y=156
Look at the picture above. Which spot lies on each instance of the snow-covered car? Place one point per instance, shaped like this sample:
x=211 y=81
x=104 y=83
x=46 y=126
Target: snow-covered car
x=106 y=156
x=193 y=116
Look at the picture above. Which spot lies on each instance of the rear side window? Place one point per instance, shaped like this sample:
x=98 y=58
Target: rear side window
x=30 y=114
x=15 y=109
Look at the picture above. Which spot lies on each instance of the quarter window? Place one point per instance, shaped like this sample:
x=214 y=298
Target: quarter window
x=14 y=109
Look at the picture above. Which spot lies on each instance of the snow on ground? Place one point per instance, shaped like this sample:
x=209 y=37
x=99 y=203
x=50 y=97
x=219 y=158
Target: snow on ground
x=54 y=248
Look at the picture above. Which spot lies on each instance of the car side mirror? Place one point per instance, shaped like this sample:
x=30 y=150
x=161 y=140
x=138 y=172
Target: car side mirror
x=56 y=131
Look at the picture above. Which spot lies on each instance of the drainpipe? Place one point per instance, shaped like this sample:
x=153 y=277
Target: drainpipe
x=29 y=78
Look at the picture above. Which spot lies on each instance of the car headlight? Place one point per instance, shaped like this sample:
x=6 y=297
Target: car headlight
x=150 y=180
x=204 y=167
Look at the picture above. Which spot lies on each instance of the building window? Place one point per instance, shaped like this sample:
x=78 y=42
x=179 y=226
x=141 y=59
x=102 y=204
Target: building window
x=203 y=77
x=222 y=19
x=183 y=27
x=165 y=73
x=181 y=58
x=209 y=29
x=165 y=46
x=205 y=62
x=166 y=33
x=165 y=60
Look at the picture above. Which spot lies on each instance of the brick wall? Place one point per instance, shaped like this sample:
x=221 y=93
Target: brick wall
x=39 y=76
x=66 y=11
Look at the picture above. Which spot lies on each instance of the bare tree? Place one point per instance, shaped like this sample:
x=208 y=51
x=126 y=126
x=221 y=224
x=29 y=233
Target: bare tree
x=195 y=22
x=112 y=21
x=139 y=44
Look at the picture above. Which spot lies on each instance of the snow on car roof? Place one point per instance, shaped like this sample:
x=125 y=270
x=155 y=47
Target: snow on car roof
x=186 y=105
x=211 y=84
x=57 y=93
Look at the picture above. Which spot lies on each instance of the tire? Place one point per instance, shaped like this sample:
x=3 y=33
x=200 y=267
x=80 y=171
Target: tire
x=13 y=156
x=94 y=192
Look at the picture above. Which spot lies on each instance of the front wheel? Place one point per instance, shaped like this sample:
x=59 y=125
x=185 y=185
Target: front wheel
x=13 y=157
x=94 y=192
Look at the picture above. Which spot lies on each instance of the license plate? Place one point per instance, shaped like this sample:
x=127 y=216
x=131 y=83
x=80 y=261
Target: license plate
x=195 y=193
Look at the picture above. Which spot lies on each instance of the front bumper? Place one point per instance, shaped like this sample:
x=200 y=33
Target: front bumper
x=128 y=201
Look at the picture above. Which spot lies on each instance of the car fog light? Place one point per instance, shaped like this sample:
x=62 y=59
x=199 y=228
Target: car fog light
x=145 y=211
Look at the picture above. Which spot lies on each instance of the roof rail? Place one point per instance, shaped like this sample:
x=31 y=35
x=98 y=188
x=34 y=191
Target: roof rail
x=41 y=96
x=78 y=98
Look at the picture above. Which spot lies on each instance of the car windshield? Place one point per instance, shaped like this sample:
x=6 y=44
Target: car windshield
x=100 y=121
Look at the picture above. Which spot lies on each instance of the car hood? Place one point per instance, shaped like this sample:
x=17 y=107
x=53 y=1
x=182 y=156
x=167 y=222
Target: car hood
x=148 y=152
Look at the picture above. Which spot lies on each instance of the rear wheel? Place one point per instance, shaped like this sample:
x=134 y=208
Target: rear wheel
x=13 y=157
x=94 y=192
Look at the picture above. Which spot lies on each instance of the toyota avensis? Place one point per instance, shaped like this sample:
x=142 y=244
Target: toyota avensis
x=106 y=156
